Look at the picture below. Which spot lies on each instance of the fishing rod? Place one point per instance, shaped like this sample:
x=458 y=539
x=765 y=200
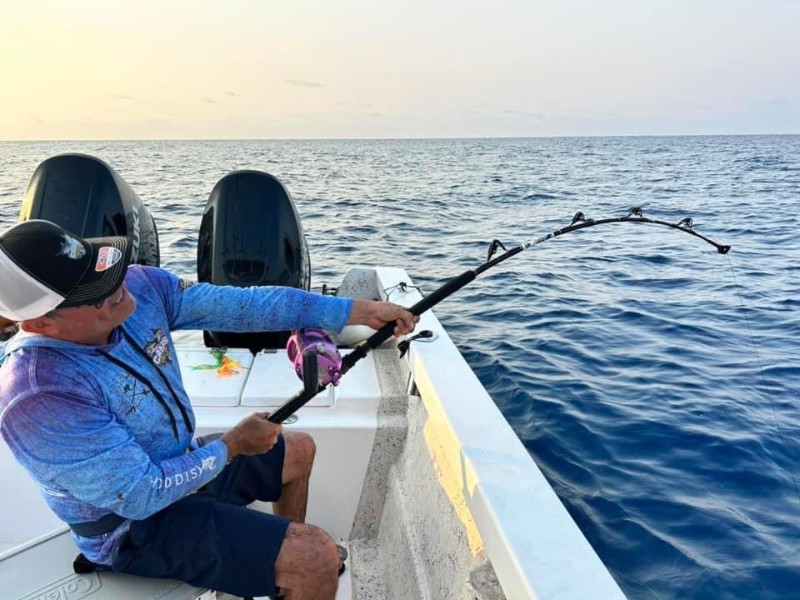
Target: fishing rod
x=312 y=387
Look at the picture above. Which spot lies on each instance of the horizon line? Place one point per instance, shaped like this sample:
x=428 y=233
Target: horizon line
x=410 y=138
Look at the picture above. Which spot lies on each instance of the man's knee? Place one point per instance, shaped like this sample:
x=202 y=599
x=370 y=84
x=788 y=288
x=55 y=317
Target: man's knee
x=307 y=553
x=300 y=452
x=305 y=446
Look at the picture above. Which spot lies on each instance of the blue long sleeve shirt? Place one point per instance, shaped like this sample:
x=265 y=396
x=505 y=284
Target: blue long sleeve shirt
x=108 y=429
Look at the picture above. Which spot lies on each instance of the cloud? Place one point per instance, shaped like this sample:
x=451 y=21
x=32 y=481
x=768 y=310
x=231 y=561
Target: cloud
x=120 y=97
x=232 y=95
x=301 y=83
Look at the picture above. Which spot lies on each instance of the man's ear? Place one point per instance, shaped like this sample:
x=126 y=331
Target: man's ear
x=41 y=325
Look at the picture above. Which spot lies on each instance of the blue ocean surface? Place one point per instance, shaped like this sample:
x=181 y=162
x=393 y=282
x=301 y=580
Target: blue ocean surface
x=654 y=381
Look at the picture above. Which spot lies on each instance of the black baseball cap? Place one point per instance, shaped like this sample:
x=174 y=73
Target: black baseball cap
x=44 y=267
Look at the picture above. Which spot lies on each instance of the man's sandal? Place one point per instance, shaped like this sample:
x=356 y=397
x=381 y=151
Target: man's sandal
x=342 y=557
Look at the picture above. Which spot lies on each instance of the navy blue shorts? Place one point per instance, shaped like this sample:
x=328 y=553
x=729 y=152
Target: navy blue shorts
x=209 y=538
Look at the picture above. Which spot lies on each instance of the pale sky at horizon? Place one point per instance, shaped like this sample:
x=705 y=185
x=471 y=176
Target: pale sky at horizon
x=202 y=69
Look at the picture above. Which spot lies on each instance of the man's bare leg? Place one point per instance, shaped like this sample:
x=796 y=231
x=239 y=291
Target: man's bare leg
x=297 y=463
x=307 y=567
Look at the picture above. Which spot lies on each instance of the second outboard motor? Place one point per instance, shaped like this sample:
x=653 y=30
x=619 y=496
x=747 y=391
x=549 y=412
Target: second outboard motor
x=88 y=198
x=251 y=235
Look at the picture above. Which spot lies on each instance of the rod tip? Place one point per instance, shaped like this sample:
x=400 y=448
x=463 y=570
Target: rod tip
x=723 y=249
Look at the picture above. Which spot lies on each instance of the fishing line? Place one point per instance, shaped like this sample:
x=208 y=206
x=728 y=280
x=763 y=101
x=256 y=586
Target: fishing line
x=783 y=444
x=579 y=221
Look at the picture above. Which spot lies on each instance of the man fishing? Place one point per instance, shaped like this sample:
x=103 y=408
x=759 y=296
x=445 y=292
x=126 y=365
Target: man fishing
x=92 y=405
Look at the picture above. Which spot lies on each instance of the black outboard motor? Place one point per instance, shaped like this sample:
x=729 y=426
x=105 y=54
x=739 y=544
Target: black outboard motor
x=251 y=235
x=88 y=198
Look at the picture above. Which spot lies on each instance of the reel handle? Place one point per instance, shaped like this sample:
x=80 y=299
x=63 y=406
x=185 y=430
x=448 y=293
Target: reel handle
x=310 y=372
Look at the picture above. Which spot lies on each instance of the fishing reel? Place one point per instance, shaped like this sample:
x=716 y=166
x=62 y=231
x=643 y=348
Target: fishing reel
x=315 y=358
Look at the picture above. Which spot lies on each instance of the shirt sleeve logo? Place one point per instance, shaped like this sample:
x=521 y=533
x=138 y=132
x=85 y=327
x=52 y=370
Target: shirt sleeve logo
x=158 y=348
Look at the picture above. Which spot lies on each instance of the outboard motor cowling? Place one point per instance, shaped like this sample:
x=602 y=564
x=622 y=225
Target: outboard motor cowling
x=251 y=235
x=85 y=196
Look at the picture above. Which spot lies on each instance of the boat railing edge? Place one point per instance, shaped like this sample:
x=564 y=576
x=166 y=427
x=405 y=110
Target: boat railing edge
x=536 y=548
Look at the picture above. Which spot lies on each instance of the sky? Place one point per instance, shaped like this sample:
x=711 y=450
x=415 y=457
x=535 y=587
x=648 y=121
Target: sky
x=265 y=69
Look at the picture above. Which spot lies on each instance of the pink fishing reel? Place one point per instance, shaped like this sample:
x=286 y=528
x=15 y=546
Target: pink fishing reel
x=315 y=357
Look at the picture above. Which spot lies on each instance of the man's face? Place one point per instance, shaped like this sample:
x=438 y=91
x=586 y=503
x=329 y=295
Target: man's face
x=91 y=324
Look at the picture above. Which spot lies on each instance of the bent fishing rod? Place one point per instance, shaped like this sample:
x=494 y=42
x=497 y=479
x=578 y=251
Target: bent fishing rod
x=579 y=221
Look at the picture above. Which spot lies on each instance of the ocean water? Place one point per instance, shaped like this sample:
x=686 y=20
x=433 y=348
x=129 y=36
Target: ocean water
x=654 y=381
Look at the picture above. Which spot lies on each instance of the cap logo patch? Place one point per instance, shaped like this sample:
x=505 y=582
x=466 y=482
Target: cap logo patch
x=107 y=257
x=71 y=248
